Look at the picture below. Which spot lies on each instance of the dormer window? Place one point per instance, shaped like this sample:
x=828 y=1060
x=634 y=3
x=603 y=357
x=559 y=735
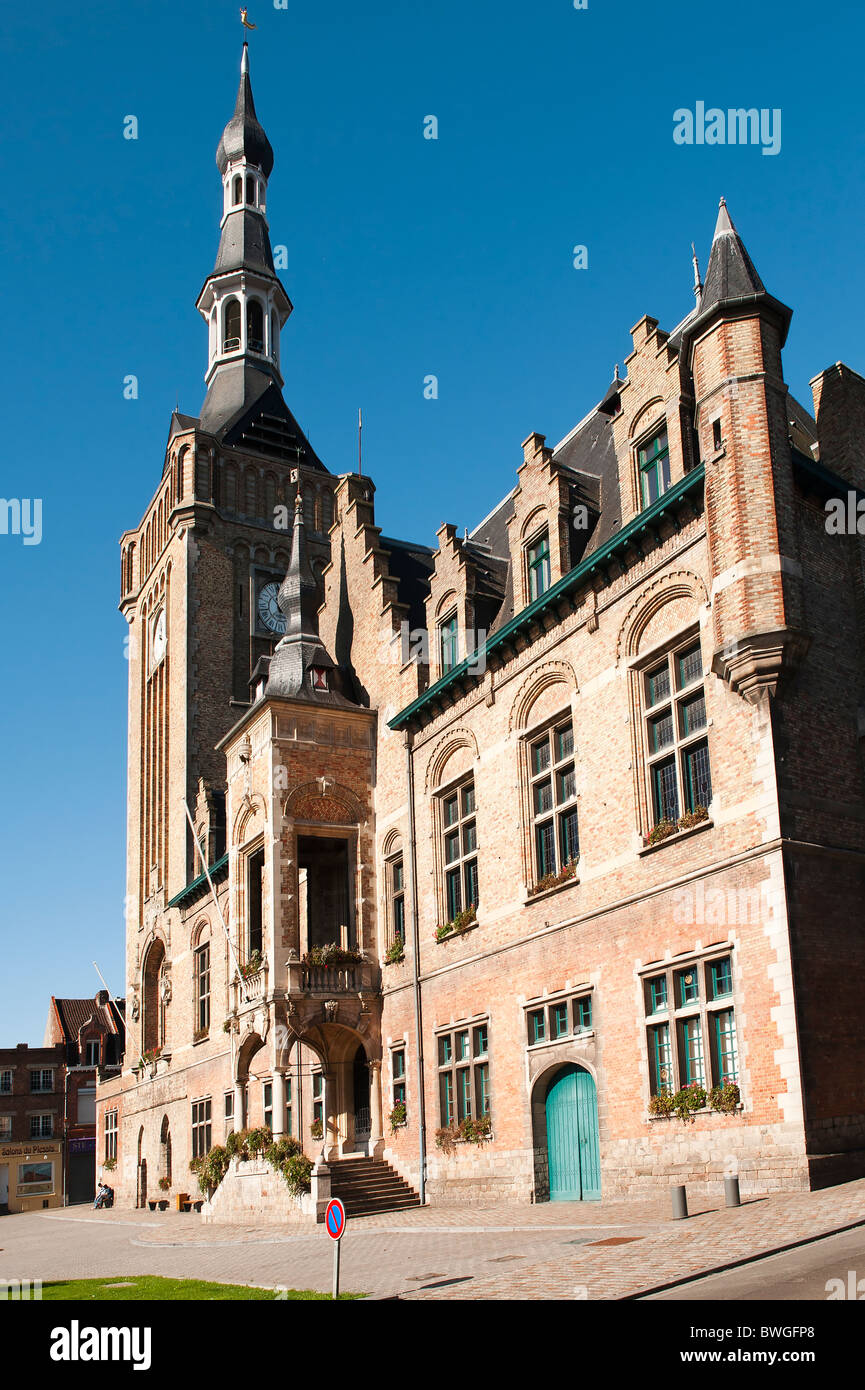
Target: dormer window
x=653 y=461
x=231 y=336
x=319 y=678
x=538 y=573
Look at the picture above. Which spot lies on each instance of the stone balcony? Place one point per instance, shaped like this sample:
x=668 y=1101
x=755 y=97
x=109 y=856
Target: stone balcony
x=249 y=990
x=322 y=980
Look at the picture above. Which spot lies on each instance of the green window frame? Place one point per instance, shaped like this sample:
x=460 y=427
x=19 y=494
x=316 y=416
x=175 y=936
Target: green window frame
x=396 y=877
x=553 y=800
x=726 y=1047
x=288 y=1107
x=397 y=1063
x=267 y=1104
x=463 y=1067
x=583 y=1013
x=538 y=568
x=720 y=978
x=658 y=1002
x=661 y=1059
x=675 y=720
x=318 y=1098
x=693 y=1062
x=537 y=1019
x=687 y=986
x=460 y=850
x=653 y=461
x=559 y=1020
x=448 y=643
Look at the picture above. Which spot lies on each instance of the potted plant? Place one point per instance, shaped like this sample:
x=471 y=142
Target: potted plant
x=662 y=831
x=252 y=966
x=109 y=1165
x=691 y=818
x=567 y=872
x=316 y=1129
x=688 y=1100
x=395 y=952
x=397 y=1116
x=461 y=923
x=725 y=1098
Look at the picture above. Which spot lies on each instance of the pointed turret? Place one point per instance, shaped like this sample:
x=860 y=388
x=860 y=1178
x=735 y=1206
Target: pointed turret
x=732 y=283
x=244 y=137
x=300 y=667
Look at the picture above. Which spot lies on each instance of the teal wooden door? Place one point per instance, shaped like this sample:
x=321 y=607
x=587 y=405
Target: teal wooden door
x=572 y=1137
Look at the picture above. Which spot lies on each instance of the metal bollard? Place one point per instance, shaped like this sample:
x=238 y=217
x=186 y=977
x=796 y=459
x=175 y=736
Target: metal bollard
x=680 y=1203
x=731 y=1192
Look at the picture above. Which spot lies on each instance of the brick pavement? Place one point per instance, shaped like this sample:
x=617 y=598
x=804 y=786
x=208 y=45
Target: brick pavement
x=494 y=1252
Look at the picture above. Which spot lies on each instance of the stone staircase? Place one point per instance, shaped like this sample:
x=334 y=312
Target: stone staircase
x=366 y=1186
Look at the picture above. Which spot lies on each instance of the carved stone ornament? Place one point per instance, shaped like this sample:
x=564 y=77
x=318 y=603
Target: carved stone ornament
x=331 y=1007
x=165 y=989
x=135 y=1009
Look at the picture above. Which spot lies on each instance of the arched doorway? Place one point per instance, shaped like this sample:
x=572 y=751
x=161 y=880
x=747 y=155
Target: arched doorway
x=573 y=1146
x=362 y=1116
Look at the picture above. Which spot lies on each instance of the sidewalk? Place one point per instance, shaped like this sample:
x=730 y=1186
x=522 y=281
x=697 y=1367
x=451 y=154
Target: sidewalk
x=710 y=1240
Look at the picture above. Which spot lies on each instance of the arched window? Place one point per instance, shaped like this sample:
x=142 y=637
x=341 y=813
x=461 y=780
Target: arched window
x=309 y=510
x=327 y=509
x=250 y=189
x=231 y=337
x=237 y=196
x=153 y=1013
x=254 y=326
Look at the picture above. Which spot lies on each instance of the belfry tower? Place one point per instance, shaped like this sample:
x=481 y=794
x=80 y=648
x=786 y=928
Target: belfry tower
x=201 y=573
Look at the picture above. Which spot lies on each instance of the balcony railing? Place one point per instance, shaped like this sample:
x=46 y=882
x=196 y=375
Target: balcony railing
x=331 y=979
x=250 y=988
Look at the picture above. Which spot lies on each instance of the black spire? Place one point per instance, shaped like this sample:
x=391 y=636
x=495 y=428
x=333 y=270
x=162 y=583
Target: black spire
x=300 y=667
x=244 y=137
x=732 y=282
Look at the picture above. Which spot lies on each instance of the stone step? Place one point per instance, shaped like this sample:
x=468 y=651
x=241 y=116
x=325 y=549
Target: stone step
x=366 y=1186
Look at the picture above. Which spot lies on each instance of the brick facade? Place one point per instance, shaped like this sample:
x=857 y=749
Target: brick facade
x=679 y=528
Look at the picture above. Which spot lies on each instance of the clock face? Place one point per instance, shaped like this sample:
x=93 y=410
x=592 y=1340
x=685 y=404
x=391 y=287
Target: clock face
x=270 y=615
x=160 y=637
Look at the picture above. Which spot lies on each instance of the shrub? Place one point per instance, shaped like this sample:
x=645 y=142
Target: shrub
x=297 y=1172
x=195 y=1165
x=213 y=1168
x=257 y=1140
x=235 y=1144
x=725 y=1099
x=281 y=1150
x=397 y=1116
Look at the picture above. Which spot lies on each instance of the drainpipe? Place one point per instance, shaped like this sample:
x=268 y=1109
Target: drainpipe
x=64 y=1156
x=412 y=846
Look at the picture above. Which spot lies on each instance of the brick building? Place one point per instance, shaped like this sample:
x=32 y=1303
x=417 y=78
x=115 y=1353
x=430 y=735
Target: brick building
x=516 y=838
x=89 y=1033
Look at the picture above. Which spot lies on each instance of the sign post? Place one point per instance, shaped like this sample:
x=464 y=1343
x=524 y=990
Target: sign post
x=334 y=1221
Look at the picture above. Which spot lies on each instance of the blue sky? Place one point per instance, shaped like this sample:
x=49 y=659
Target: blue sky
x=406 y=257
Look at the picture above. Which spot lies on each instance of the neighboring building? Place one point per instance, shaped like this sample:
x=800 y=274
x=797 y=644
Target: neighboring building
x=48 y=1104
x=31 y=1127
x=595 y=771
x=90 y=1032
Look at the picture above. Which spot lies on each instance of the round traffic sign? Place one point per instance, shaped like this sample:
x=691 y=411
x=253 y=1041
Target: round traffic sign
x=334 y=1218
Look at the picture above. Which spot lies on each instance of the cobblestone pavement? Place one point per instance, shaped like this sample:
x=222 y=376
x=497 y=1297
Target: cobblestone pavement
x=711 y=1240
x=549 y=1251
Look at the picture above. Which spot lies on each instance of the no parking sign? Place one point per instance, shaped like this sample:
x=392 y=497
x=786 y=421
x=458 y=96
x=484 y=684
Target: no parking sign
x=334 y=1224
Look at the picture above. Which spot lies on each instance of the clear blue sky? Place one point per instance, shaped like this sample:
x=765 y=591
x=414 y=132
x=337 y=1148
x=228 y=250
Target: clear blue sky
x=406 y=257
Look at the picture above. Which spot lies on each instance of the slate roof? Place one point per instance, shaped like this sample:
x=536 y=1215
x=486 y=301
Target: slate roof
x=244 y=135
x=244 y=408
x=244 y=244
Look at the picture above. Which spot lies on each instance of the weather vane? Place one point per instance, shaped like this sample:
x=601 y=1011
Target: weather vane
x=244 y=21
